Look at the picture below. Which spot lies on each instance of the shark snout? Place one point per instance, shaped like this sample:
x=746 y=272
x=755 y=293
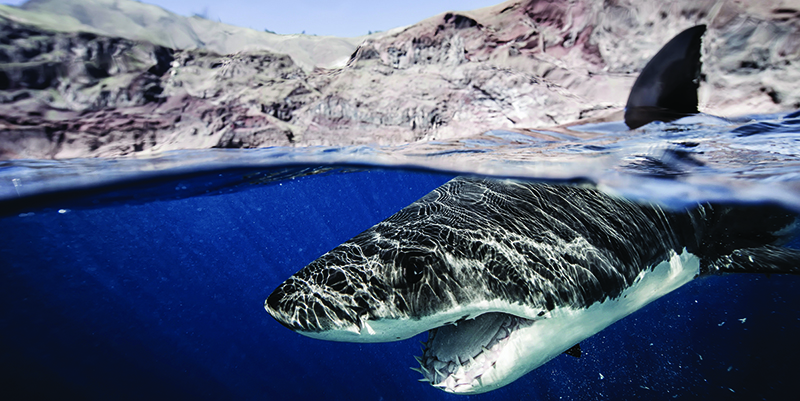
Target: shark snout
x=274 y=306
x=312 y=310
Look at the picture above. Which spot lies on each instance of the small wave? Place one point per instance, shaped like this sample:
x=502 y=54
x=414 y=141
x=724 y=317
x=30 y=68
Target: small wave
x=703 y=158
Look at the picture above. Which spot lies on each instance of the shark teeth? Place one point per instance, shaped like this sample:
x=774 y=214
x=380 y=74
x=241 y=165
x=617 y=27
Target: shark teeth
x=459 y=368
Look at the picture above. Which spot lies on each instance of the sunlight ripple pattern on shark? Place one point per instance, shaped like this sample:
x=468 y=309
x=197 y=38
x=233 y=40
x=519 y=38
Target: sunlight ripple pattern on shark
x=506 y=274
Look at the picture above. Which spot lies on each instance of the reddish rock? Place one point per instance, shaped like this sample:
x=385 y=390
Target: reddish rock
x=516 y=65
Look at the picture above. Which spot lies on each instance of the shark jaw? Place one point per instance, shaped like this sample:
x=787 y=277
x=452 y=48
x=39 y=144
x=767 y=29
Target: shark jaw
x=494 y=349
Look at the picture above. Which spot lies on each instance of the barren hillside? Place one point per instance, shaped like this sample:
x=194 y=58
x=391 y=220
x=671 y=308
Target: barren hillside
x=86 y=89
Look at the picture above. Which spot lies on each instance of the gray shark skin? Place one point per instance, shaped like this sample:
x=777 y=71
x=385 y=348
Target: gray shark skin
x=505 y=275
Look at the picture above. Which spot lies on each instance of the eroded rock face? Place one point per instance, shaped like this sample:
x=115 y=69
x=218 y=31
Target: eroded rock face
x=69 y=63
x=517 y=65
x=78 y=95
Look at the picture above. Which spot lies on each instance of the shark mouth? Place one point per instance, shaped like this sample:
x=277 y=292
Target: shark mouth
x=455 y=356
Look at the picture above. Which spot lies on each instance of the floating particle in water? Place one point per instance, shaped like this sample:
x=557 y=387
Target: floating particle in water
x=17 y=184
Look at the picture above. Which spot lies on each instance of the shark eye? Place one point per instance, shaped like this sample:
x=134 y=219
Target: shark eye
x=412 y=271
x=412 y=266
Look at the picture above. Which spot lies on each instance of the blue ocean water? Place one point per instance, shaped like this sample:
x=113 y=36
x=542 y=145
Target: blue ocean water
x=145 y=278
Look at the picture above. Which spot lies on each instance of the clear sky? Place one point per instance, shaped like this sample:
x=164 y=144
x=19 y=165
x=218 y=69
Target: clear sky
x=320 y=17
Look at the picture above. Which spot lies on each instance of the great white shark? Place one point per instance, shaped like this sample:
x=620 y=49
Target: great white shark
x=504 y=275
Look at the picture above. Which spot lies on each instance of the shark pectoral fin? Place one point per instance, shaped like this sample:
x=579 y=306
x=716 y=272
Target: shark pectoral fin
x=666 y=89
x=575 y=351
x=767 y=259
x=747 y=239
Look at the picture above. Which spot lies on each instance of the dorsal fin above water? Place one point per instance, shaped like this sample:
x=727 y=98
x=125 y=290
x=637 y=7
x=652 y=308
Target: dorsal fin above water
x=666 y=89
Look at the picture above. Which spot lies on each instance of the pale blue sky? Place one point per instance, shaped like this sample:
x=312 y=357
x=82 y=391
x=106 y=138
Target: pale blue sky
x=321 y=17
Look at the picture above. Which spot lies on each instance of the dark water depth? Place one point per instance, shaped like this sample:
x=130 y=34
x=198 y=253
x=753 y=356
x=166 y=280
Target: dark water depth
x=163 y=299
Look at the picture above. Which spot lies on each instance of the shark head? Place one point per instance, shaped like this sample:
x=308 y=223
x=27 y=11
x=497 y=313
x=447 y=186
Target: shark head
x=427 y=266
x=432 y=267
x=377 y=287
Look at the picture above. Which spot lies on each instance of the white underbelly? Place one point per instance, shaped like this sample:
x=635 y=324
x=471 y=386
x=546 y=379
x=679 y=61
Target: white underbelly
x=530 y=347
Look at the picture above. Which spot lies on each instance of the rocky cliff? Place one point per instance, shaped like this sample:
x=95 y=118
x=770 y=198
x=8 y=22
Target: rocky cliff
x=145 y=22
x=517 y=65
